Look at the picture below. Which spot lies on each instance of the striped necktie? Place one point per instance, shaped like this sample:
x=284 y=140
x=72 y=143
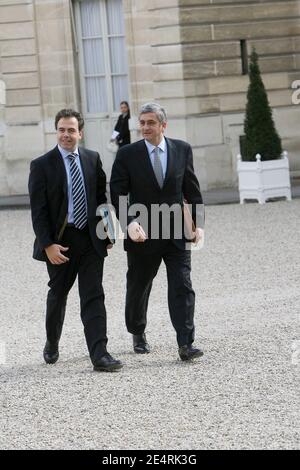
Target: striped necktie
x=79 y=204
x=157 y=167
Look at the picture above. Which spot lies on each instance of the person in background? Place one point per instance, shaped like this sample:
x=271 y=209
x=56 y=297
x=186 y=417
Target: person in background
x=121 y=132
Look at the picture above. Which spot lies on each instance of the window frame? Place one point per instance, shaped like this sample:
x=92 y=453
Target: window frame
x=107 y=60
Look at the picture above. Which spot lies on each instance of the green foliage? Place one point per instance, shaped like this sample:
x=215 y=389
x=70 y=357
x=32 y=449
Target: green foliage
x=260 y=133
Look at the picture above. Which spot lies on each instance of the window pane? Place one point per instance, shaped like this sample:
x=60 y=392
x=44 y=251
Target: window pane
x=104 y=71
x=120 y=90
x=90 y=18
x=96 y=95
x=115 y=22
x=93 y=56
x=118 y=56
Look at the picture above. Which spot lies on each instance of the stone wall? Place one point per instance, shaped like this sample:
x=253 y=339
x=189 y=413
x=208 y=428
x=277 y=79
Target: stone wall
x=36 y=66
x=3 y=179
x=21 y=114
x=194 y=60
x=138 y=22
x=214 y=85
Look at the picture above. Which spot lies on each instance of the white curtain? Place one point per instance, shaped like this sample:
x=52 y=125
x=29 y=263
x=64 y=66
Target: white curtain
x=117 y=51
x=115 y=23
x=93 y=57
x=96 y=71
x=90 y=18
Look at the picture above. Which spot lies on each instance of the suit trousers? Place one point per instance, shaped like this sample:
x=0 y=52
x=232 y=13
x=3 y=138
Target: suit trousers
x=88 y=265
x=142 y=269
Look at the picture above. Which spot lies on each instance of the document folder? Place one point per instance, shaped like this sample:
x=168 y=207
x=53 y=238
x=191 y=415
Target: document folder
x=107 y=223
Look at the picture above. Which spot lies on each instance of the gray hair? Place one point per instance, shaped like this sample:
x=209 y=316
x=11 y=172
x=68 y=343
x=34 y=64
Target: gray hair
x=154 y=108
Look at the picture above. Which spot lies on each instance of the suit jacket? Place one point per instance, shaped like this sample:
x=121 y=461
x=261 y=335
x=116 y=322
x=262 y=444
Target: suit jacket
x=133 y=174
x=49 y=198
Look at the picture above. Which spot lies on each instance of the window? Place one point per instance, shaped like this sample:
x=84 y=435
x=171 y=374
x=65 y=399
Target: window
x=103 y=55
x=244 y=57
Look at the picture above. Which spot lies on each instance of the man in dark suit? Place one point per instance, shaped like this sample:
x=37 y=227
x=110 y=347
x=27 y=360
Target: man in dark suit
x=157 y=171
x=66 y=185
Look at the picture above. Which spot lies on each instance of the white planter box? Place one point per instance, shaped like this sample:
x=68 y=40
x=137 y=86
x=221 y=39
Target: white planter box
x=263 y=180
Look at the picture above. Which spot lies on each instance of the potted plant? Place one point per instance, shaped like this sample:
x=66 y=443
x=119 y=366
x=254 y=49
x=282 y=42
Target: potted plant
x=263 y=168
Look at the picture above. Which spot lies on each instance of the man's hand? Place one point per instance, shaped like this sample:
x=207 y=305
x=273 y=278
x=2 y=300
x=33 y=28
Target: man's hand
x=199 y=236
x=136 y=232
x=54 y=254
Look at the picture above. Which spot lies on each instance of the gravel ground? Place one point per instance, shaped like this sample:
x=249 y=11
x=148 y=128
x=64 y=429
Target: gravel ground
x=243 y=393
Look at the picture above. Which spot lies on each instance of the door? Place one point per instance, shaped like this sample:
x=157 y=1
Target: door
x=103 y=70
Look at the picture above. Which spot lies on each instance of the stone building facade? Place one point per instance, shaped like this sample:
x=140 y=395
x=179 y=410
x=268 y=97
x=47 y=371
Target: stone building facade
x=189 y=55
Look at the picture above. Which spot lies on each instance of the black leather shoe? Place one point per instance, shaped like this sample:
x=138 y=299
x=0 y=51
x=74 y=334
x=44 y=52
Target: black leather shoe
x=187 y=352
x=107 y=363
x=50 y=352
x=140 y=345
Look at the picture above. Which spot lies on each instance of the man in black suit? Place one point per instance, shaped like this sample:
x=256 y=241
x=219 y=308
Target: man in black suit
x=157 y=171
x=66 y=185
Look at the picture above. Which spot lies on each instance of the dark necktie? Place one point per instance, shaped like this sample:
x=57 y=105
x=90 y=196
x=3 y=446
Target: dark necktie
x=157 y=167
x=79 y=205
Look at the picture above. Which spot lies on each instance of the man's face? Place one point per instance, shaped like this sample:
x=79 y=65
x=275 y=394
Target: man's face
x=152 y=129
x=68 y=134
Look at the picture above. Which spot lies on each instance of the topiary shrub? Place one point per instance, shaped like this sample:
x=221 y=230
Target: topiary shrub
x=259 y=128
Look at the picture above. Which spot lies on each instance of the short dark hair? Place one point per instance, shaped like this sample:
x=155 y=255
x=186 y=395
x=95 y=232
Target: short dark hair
x=154 y=108
x=67 y=113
